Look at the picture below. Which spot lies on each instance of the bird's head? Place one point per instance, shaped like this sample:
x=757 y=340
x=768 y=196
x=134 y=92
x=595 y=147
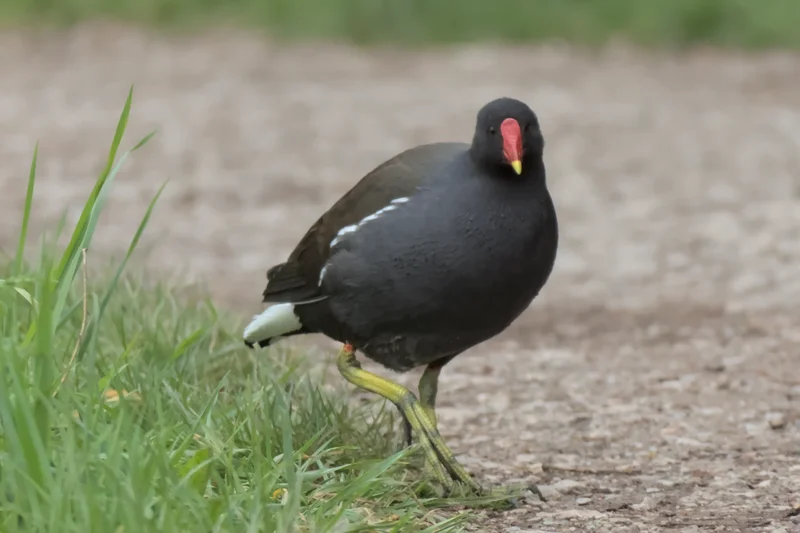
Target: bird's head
x=507 y=135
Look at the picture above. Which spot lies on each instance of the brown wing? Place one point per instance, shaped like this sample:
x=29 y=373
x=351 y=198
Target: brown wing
x=298 y=278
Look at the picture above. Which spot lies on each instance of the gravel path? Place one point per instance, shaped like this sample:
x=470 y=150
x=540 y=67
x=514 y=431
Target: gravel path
x=654 y=386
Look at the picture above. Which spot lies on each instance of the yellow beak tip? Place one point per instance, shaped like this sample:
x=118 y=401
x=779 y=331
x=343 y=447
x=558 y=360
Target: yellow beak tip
x=517 y=166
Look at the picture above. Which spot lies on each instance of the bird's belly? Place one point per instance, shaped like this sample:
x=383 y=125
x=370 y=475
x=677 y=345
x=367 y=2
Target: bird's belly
x=426 y=308
x=404 y=351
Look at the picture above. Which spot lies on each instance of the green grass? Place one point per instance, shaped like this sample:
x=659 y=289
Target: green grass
x=740 y=23
x=127 y=406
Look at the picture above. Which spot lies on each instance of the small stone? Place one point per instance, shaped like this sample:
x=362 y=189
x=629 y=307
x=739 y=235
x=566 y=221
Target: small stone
x=777 y=421
x=583 y=501
x=615 y=503
x=567 y=486
x=689 y=442
x=795 y=509
x=648 y=503
x=579 y=514
x=549 y=492
x=536 y=469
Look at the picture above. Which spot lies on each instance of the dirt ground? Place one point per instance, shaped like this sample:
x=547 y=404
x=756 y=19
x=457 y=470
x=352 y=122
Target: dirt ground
x=653 y=386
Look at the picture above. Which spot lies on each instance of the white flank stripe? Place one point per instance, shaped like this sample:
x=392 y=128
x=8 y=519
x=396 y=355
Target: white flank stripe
x=342 y=232
x=354 y=227
x=275 y=321
x=322 y=274
x=377 y=214
x=374 y=216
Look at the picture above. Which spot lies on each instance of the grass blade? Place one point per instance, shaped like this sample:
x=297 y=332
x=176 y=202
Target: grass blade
x=26 y=213
x=113 y=284
x=71 y=250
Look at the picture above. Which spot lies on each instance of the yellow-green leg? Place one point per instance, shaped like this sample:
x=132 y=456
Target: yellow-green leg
x=437 y=454
x=428 y=388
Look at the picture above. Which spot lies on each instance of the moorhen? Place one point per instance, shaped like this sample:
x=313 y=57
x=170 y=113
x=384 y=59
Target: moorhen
x=434 y=251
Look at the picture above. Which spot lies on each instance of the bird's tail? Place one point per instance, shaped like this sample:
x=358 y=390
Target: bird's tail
x=276 y=322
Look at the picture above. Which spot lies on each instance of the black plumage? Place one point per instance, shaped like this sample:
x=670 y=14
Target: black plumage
x=464 y=252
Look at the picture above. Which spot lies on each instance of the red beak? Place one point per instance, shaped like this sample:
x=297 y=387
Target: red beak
x=512 y=143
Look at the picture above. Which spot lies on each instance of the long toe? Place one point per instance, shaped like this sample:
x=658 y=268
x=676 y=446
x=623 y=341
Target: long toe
x=418 y=421
x=514 y=492
x=505 y=497
x=442 y=454
x=434 y=465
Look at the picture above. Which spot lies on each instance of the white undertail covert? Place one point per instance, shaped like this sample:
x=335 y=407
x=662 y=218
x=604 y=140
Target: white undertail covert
x=274 y=322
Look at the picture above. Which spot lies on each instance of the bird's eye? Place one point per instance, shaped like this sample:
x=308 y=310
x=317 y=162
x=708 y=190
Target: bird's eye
x=527 y=127
x=492 y=130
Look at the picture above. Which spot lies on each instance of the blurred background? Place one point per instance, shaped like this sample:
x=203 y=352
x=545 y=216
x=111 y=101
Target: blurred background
x=672 y=131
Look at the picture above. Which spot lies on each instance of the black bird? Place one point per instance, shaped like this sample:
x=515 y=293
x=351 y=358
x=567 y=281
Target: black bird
x=434 y=251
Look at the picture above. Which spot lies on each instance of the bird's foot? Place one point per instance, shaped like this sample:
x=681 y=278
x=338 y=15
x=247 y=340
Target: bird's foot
x=458 y=483
x=439 y=459
x=512 y=493
x=502 y=497
x=452 y=479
